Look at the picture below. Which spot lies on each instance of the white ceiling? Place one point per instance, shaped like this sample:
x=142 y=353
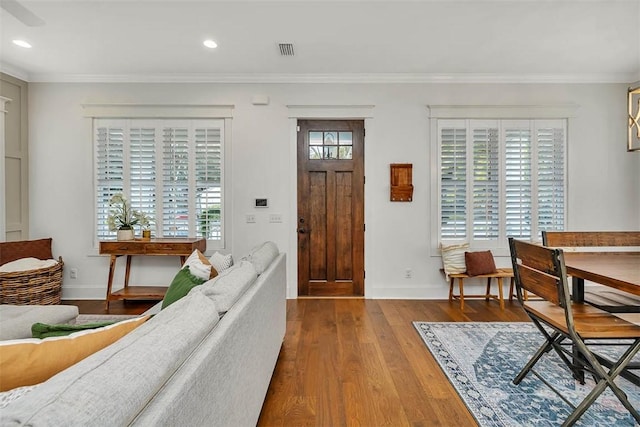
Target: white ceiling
x=340 y=40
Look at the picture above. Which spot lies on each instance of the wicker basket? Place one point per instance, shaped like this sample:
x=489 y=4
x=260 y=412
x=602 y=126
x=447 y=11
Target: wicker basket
x=42 y=286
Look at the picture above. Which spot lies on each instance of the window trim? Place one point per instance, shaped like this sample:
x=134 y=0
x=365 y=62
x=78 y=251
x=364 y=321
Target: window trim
x=168 y=112
x=494 y=112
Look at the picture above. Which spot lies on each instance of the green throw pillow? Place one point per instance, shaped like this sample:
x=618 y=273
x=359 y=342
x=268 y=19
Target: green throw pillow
x=43 y=330
x=180 y=286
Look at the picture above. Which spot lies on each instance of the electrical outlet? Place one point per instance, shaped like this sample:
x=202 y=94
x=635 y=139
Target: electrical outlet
x=250 y=218
x=275 y=218
x=408 y=273
x=73 y=273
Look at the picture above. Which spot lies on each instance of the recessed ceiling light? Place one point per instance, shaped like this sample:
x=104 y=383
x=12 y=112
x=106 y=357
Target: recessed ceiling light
x=210 y=44
x=22 y=43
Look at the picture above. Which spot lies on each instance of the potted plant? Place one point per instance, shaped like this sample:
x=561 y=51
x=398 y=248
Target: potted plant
x=144 y=221
x=122 y=218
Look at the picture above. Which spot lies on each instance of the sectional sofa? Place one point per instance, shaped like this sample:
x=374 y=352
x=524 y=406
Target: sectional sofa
x=205 y=360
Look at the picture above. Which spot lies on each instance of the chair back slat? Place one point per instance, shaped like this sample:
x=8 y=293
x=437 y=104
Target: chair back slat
x=590 y=238
x=534 y=256
x=539 y=270
x=543 y=285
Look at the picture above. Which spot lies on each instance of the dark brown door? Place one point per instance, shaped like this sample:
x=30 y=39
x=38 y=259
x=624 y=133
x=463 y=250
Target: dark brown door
x=331 y=207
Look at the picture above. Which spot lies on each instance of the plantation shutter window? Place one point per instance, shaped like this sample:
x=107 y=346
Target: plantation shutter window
x=175 y=182
x=109 y=169
x=142 y=163
x=171 y=170
x=486 y=182
x=453 y=179
x=518 y=180
x=500 y=179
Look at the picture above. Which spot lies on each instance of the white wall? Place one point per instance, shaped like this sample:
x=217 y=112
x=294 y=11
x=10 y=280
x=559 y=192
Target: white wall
x=604 y=180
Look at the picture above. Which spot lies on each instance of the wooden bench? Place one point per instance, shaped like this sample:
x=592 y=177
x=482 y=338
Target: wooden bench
x=500 y=274
x=606 y=299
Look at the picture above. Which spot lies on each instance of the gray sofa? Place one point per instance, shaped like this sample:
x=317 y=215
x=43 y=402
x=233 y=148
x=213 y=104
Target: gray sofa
x=188 y=365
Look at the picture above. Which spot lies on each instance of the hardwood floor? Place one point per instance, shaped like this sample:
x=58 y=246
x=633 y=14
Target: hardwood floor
x=359 y=362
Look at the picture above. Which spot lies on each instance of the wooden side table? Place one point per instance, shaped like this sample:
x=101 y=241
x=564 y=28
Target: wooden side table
x=153 y=247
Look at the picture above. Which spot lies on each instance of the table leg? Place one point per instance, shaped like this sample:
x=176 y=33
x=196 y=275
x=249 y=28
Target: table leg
x=577 y=295
x=577 y=285
x=112 y=267
x=127 y=271
x=182 y=259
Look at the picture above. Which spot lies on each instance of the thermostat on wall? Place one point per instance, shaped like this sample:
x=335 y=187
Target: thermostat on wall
x=262 y=203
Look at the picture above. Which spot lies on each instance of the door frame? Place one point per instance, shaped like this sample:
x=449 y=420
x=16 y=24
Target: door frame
x=319 y=112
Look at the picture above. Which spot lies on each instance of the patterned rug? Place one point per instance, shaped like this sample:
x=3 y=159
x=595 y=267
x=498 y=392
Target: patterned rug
x=481 y=360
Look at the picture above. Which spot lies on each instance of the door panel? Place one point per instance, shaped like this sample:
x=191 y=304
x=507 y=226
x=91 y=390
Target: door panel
x=331 y=207
x=15 y=163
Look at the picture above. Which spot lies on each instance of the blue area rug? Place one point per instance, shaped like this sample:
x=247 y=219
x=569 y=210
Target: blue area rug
x=481 y=360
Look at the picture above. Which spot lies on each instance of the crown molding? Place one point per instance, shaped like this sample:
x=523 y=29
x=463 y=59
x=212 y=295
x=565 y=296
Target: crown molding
x=14 y=71
x=380 y=78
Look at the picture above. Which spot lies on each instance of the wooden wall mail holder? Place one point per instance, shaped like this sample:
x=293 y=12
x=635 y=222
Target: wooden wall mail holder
x=401 y=182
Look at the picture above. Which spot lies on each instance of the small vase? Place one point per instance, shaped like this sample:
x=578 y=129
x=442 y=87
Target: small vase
x=146 y=234
x=126 y=234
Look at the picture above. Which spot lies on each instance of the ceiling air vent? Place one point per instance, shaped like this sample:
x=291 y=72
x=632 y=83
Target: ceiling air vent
x=286 y=49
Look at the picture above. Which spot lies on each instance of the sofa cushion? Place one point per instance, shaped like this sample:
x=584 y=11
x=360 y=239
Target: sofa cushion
x=200 y=266
x=6 y=397
x=128 y=372
x=262 y=255
x=32 y=361
x=11 y=251
x=17 y=319
x=182 y=283
x=225 y=289
x=220 y=261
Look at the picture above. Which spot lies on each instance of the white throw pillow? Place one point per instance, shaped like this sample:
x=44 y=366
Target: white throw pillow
x=453 y=258
x=220 y=261
x=26 y=264
x=200 y=266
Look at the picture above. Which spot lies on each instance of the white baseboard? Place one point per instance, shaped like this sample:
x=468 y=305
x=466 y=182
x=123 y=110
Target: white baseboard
x=83 y=292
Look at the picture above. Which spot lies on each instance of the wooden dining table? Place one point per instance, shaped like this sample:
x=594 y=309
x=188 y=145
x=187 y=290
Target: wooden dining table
x=619 y=270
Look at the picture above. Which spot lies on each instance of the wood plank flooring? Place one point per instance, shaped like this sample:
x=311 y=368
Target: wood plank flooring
x=361 y=362
x=357 y=362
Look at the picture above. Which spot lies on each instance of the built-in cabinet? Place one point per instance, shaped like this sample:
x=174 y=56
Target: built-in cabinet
x=14 y=159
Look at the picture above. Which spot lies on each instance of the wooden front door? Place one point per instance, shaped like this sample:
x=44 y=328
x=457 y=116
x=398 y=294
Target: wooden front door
x=330 y=208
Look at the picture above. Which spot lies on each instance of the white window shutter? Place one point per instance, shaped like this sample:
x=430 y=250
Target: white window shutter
x=142 y=168
x=518 y=180
x=172 y=170
x=453 y=180
x=486 y=181
x=175 y=181
x=208 y=178
x=109 y=164
x=551 y=175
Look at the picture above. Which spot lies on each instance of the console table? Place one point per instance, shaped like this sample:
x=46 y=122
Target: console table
x=152 y=247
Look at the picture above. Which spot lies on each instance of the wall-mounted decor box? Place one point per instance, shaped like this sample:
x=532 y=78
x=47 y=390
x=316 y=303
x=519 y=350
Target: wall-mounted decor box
x=401 y=182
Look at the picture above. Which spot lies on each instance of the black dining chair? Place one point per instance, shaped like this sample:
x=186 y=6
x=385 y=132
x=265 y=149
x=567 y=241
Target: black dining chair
x=570 y=329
